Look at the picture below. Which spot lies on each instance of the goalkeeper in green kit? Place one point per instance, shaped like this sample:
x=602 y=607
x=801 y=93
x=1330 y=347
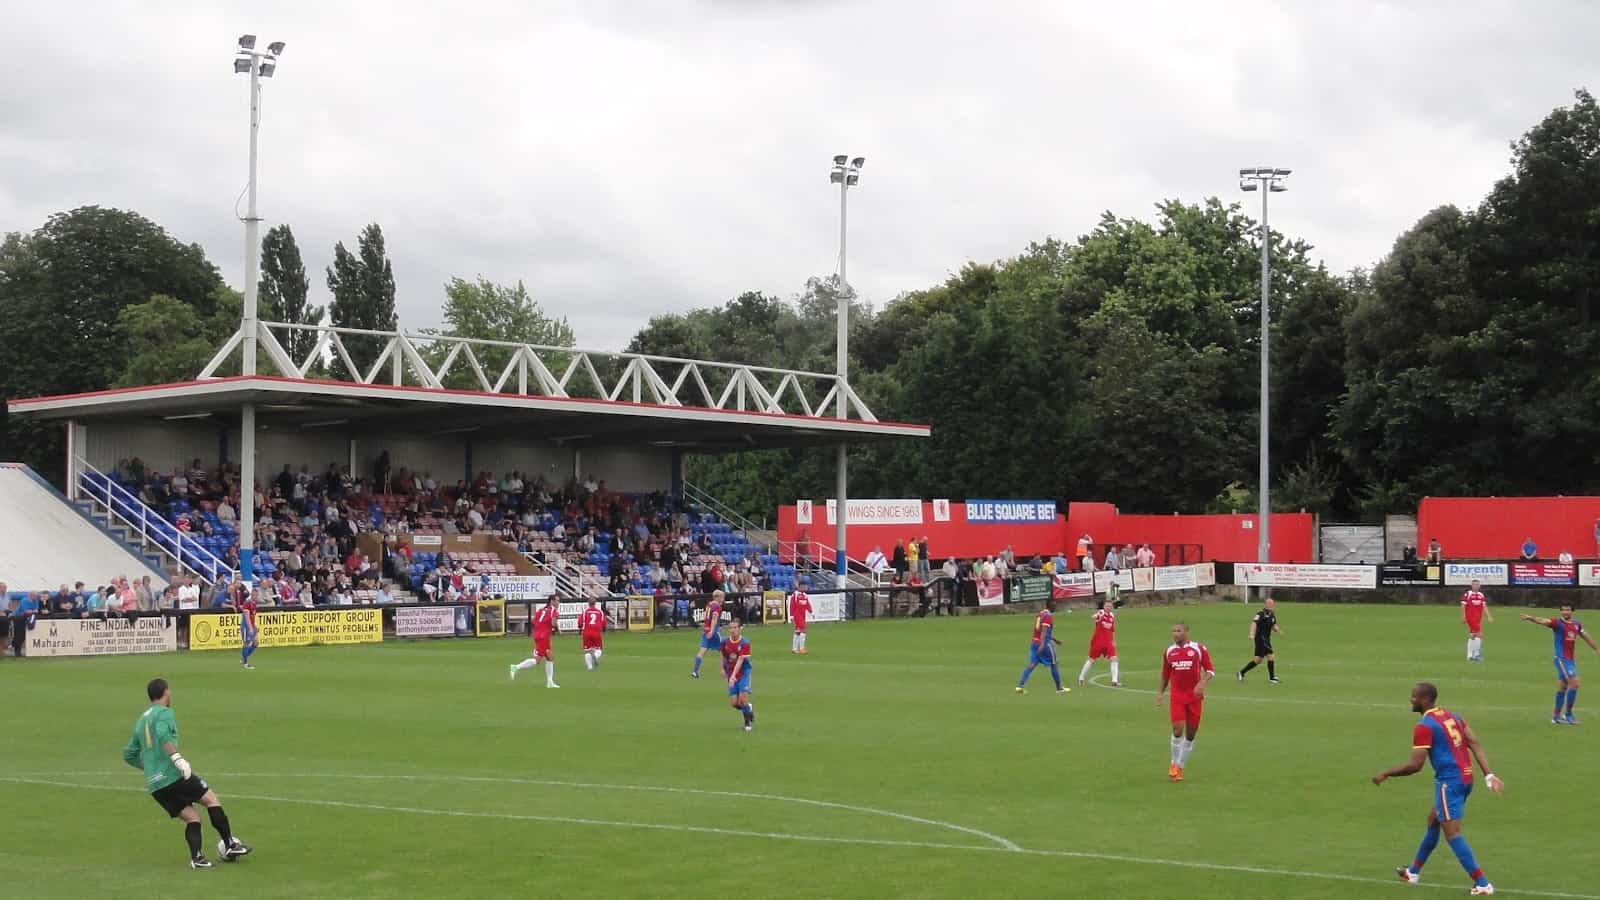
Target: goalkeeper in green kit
x=170 y=780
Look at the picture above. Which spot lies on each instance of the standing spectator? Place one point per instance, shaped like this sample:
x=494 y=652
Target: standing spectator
x=1085 y=552
x=1597 y=538
x=1002 y=565
x=63 y=603
x=924 y=561
x=1088 y=563
x=188 y=593
x=900 y=563
x=1146 y=557
x=876 y=561
x=1435 y=551
x=914 y=556
x=1530 y=550
x=1010 y=558
x=1113 y=559
x=22 y=612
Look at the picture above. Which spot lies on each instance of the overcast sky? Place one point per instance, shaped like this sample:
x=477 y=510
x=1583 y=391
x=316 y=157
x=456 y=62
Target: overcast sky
x=630 y=158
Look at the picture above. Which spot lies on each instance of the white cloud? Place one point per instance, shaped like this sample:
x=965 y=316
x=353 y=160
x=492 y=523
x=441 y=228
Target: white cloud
x=626 y=159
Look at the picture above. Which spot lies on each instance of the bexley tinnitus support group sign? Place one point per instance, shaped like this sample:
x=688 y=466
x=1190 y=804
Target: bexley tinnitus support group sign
x=1011 y=512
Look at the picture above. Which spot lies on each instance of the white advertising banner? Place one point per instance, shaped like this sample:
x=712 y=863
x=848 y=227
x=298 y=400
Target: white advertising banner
x=96 y=637
x=878 y=512
x=427 y=540
x=518 y=587
x=941 y=510
x=1102 y=580
x=802 y=512
x=1311 y=576
x=827 y=607
x=1486 y=573
x=1589 y=575
x=425 y=621
x=1176 y=578
x=1205 y=574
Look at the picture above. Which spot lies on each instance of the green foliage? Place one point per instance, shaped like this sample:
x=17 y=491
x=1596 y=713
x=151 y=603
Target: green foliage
x=282 y=292
x=63 y=289
x=362 y=284
x=489 y=311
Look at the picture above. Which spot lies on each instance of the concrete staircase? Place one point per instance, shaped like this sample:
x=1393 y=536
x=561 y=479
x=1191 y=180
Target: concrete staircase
x=125 y=536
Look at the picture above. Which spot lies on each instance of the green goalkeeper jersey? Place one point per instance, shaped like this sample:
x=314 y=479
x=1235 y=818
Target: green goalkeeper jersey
x=155 y=728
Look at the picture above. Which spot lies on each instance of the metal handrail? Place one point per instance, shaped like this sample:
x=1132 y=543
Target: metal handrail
x=143 y=520
x=698 y=496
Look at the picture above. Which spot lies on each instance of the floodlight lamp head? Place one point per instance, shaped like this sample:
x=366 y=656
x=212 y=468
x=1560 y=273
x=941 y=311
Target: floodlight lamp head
x=851 y=179
x=1246 y=173
x=858 y=162
x=1247 y=185
x=247 y=41
x=1277 y=188
x=1281 y=172
x=836 y=176
x=840 y=159
x=275 y=48
x=241 y=64
x=267 y=68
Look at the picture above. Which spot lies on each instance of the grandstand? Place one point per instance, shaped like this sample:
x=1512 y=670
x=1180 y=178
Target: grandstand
x=630 y=434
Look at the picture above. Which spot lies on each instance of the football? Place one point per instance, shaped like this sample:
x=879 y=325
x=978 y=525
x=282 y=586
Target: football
x=223 y=853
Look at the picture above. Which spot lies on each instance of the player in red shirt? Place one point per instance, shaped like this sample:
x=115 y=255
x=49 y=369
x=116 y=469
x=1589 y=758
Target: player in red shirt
x=1474 y=612
x=544 y=624
x=1186 y=667
x=592 y=631
x=1103 y=642
x=799 y=612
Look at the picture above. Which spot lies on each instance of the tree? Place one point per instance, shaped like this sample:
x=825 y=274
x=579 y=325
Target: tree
x=363 y=296
x=282 y=291
x=489 y=311
x=62 y=290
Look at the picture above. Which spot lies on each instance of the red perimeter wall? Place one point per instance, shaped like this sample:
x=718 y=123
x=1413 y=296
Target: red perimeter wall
x=1223 y=537
x=1495 y=527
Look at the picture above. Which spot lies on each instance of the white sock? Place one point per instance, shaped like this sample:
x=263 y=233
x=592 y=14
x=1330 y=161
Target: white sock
x=528 y=663
x=1184 y=749
x=802 y=640
x=794 y=642
x=1115 y=666
x=1177 y=748
x=1084 y=672
x=1469 y=648
x=588 y=659
x=597 y=652
x=549 y=673
x=1477 y=646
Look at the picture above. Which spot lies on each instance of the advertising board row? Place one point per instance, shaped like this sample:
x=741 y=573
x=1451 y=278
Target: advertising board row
x=1072 y=585
x=1522 y=574
x=909 y=512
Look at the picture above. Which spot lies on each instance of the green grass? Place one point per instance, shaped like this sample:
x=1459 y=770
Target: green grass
x=418 y=769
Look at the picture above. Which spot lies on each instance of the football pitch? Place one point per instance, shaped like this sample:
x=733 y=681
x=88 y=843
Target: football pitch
x=894 y=760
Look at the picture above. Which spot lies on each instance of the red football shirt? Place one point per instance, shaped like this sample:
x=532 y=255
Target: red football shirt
x=544 y=621
x=713 y=617
x=1105 y=623
x=1182 y=665
x=592 y=620
x=799 y=608
x=1472 y=605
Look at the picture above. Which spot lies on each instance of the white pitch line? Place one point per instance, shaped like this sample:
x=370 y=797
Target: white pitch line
x=805 y=801
x=814 y=838
x=1096 y=680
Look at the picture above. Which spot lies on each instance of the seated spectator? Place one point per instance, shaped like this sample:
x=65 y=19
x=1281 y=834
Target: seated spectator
x=189 y=593
x=101 y=602
x=384 y=594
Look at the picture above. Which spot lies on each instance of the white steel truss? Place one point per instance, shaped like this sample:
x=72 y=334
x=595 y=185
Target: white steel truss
x=439 y=362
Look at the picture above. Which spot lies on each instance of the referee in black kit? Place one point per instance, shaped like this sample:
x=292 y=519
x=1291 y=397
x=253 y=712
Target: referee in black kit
x=1262 y=628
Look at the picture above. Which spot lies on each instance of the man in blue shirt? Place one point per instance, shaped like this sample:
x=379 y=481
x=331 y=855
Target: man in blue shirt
x=22 y=615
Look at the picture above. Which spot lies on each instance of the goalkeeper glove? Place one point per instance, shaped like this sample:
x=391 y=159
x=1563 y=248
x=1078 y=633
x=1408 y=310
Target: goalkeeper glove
x=182 y=765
